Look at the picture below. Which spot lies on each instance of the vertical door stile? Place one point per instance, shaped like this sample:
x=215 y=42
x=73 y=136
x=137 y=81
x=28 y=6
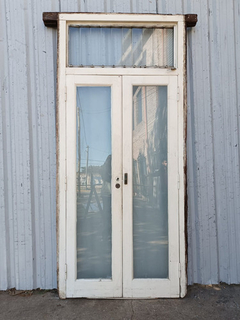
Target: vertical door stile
x=173 y=197
x=117 y=180
x=127 y=189
x=61 y=156
x=70 y=191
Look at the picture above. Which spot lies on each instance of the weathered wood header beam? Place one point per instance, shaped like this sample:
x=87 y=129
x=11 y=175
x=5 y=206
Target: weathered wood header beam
x=50 y=19
x=191 y=20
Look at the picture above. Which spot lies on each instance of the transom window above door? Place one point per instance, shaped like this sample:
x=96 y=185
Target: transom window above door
x=120 y=47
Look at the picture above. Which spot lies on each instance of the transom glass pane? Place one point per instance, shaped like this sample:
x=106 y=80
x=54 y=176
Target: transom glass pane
x=150 y=182
x=120 y=47
x=94 y=217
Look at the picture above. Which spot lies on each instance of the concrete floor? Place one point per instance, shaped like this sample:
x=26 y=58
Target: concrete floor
x=201 y=302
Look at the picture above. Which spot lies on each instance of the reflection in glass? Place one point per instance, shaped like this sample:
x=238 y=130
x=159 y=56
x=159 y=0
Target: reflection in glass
x=120 y=47
x=94 y=231
x=150 y=182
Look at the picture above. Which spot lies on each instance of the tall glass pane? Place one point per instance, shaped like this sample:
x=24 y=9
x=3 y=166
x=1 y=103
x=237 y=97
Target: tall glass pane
x=94 y=231
x=150 y=182
x=120 y=47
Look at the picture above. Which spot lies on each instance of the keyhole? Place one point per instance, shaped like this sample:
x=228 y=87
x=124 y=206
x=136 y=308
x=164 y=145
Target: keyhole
x=117 y=185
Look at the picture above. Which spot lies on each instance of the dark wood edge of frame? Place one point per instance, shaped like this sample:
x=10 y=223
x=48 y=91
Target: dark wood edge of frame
x=50 y=19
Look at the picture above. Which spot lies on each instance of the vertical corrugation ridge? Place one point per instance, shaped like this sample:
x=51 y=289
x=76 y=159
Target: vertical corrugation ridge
x=8 y=155
x=163 y=7
x=32 y=78
x=51 y=156
x=157 y=7
x=236 y=12
x=210 y=40
x=193 y=214
x=26 y=230
x=7 y=159
x=225 y=248
x=45 y=114
x=3 y=225
x=28 y=22
x=191 y=164
x=3 y=205
x=53 y=50
x=197 y=218
x=233 y=140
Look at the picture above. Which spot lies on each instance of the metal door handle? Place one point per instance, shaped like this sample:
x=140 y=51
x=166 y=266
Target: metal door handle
x=125 y=178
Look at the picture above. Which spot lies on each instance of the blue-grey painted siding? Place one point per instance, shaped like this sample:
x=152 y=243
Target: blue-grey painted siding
x=27 y=137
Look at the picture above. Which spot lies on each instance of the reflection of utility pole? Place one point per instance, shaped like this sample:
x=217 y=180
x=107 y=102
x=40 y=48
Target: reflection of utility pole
x=78 y=139
x=146 y=127
x=87 y=165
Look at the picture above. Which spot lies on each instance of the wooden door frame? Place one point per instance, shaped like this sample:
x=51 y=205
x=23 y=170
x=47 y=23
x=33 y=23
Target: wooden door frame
x=179 y=70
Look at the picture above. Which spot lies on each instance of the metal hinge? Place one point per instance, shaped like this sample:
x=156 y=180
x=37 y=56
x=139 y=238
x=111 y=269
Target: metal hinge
x=179 y=270
x=178 y=182
x=65 y=94
x=65 y=183
x=178 y=94
x=65 y=271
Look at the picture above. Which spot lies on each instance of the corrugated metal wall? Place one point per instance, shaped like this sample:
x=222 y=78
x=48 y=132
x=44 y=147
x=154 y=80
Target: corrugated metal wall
x=27 y=137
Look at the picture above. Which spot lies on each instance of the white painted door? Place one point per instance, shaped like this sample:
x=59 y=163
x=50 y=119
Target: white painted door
x=94 y=203
x=122 y=187
x=150 y=192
